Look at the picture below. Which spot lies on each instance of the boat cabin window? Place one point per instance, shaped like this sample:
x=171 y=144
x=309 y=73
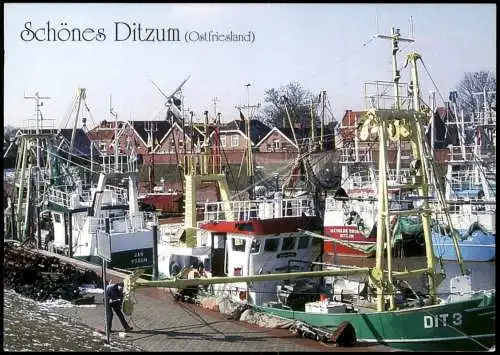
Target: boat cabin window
x=255 y=247
x=238 y=244
x=303 y=242
x=57 y=218
x=288 y=243
x=244 y=226
x=272 y=244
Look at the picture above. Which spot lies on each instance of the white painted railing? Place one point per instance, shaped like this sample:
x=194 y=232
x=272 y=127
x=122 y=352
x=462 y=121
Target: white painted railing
x=261 y=209
x=122 y=224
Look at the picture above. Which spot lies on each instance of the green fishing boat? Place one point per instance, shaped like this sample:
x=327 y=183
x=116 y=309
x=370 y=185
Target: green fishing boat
x=465 y=320
x=460 y=325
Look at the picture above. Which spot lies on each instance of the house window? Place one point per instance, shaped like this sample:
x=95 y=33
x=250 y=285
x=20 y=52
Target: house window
x=223 y=141
x=277 y=144
x=235 y=141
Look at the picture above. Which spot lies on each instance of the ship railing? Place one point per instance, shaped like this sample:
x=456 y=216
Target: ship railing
x=120 y=194
x=360 y=179
x=120 y=163
x=466 y=206
x=403 y=177
x=63 y=195
x=457 y=153
x=465 y=180
x=488 y=118
x=33 y=126
x=121 y=224
x=258 y=209
x=379 y=95
x=362 y=206
x=348 y=155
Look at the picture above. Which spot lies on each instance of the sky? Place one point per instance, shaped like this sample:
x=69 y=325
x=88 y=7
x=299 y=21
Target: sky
x=327 y=47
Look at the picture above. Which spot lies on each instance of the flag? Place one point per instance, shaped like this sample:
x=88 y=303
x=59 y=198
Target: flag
x=242 y=118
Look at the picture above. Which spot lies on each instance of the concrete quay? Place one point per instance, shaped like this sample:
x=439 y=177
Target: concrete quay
x=162 y=324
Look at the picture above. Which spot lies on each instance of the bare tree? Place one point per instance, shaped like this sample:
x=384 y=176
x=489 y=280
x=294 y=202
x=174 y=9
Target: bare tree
x=298 y=100
x=8 y=132
x=474 y=82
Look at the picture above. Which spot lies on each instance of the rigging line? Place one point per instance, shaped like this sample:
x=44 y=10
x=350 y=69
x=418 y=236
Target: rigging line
x=286 y=167
x=68 y=113
x=432 y=80
x=90 y=113
x=351 y=79
x=347 y=56
x=72 y=162
x=477 y=160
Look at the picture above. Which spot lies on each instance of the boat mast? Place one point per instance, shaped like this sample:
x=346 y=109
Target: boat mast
x=115 y=115
x=247 y=122
x=38 y=121
x=151 y=128
x=395 y=38
x=81 y=96
x=424 y=187
x=408 y=125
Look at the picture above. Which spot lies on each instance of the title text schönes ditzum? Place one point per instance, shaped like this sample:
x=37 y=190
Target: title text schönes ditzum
x=124 y=32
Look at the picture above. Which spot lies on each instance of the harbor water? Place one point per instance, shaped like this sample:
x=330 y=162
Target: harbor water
x=33 y=326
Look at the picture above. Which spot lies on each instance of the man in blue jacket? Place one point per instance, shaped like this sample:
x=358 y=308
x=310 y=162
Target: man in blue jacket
x=114 y=293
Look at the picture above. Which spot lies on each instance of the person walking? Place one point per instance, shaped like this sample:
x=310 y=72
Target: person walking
x=114 y=293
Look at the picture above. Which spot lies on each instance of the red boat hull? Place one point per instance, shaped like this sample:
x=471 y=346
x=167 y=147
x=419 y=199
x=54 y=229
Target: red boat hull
x=164 y=202
x=349 y=234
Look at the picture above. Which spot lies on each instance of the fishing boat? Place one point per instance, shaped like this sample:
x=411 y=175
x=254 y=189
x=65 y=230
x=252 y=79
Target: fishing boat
x=395 y=314
x=57 y=206
x=351 y=212
x=470 y=187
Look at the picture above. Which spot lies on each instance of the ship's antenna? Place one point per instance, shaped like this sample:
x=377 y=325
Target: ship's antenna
x=376 y=18
x=38 y=121
x=411 y=26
